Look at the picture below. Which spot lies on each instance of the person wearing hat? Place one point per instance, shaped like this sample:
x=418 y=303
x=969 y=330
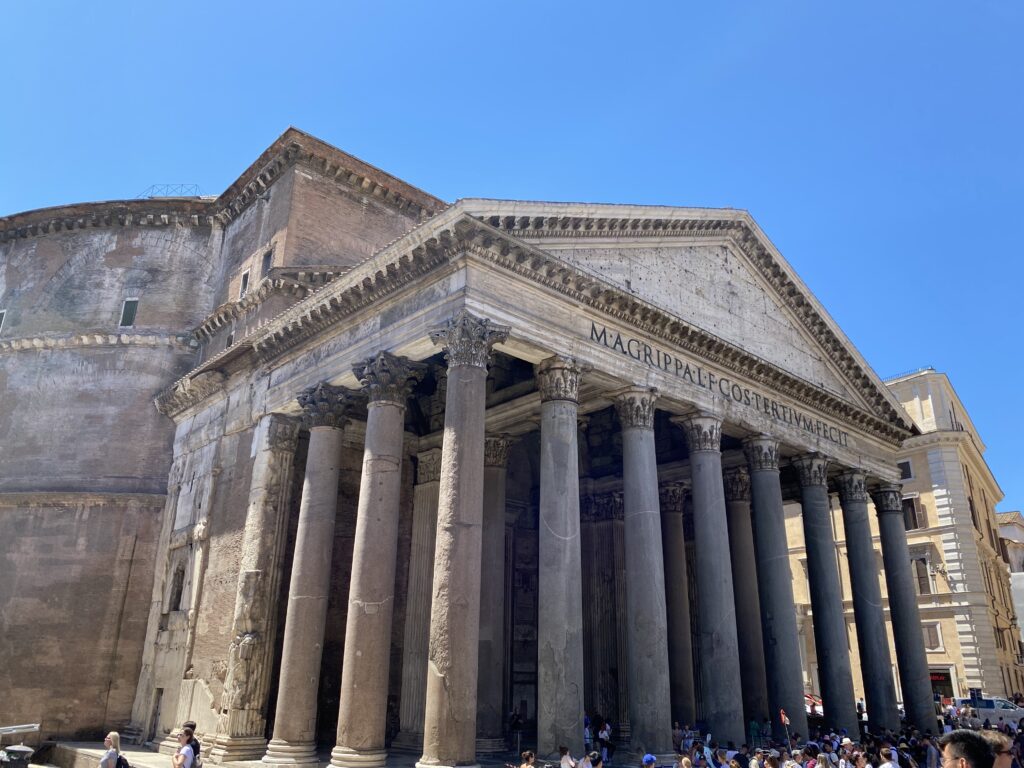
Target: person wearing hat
x=649 y=760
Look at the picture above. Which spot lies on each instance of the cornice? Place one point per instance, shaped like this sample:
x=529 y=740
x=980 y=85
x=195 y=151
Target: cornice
x=452 y=234
x=157 y=212
x=189 y=391
x=79 y=340
x=297 y=283
x=705 y=224
x=22 y=499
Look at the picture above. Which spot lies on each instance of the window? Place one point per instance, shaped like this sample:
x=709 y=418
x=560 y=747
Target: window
x=911 y=519
x=243 y=288
x=177 y=589
x=231 y=337
x=932 y=637
x=923 y=580
x=906 y=472
x=268 y=260
x=128 y=311
x=3 y=315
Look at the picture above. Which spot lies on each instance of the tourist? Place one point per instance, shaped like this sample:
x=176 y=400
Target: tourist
x=595 y=759
x=965 y=749
x=649 y=761
x=112 y=743
x=604 y=740
x=565 y=759
x=184 y=757
x=999 y=743
x=194 y=743
x=588 y=739
x=677 y=738
x=932 y=757
x=528 y=759
x=743 y=756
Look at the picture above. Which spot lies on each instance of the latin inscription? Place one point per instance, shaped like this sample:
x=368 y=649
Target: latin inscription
x=720 y=385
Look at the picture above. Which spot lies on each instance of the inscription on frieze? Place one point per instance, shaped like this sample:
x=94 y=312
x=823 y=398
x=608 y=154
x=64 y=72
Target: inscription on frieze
x=719 y=384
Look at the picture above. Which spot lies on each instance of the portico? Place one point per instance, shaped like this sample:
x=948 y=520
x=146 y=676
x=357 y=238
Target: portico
x=595 y=460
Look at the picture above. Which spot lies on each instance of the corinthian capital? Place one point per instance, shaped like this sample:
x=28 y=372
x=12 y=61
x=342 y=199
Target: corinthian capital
x=813 y=469
x=324 y=406
x=762 y=453
x=852 y=487
x=558 y=379
x=737 y=484
x=388 y=378
x=671 y=498
x=703 y=431
x=467 y=339
x=635 y=407
x=496 y=450
x=888 y=499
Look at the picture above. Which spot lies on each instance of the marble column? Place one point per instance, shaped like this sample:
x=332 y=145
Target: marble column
x=250 y=657
x=780 y=636
x=294 y=739
x=903 y=610
x=869 y=618
x=650 y=715
x=830 y=636
x=719 y=645
x=449 y=737
x=387 y=381
x=677 y=605
x=560 y=577
x=613 y=511
x=490 y=712
x=417 y=614
x=744 y=582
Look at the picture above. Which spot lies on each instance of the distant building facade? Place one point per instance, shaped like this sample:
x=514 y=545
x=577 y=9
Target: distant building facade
x=968 y=618
x=326 y=462
x=1011 y=534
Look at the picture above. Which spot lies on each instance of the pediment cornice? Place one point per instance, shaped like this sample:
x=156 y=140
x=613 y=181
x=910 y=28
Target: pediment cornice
x=436 y=243
x=533 y=221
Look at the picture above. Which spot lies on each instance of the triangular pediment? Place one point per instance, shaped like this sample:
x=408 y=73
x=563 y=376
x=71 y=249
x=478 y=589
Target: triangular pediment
x=712 y=268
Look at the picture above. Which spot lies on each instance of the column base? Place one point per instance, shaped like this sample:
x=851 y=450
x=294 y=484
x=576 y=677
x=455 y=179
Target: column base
x=490 y=746
x=446 y=764
x=230 y=749
x=408 y=741
x=346 y=757
x=287 y=754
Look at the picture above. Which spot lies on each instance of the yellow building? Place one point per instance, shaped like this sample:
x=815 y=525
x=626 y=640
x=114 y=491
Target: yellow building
x=962 y=577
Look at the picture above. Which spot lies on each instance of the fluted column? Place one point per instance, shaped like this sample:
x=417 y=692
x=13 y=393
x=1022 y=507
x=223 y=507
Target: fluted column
x=780 y=636
x=490 y=713
x=677 y=605
x=869 y=618
x=719 y=646
x=450 y=718
x=650 y=715
x=904 y=613
x=744 y=583
x=294 y=740
x=560 y=577
x=830 y=638
x=247 y=685
x=417 y=616
x=621 y=624
x=387 y=381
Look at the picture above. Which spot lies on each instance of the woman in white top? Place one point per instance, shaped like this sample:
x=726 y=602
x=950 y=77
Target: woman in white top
x=184 y=757
x=113 y=745
x=565 y=760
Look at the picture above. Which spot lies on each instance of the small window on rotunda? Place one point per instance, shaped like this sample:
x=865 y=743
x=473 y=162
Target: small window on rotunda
x=3 y=316
x=268 y=260
x=244 y=287
x=128 y=311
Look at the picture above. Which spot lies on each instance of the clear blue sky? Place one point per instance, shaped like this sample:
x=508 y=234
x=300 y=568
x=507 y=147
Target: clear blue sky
x=878 y=144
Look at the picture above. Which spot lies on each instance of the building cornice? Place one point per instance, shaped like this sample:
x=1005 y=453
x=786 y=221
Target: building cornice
x=547 y=222
x=78 y=340
x=452 y=234
x=156 y=212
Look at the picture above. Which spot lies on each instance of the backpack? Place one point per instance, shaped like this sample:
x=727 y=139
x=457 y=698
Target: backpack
x=122 y=762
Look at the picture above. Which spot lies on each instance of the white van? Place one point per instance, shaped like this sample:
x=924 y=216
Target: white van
x=993 y=708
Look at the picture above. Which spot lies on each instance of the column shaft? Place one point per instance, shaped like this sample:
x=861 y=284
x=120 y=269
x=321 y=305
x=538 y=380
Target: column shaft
x=744 y=582
x=677 y=606
x=780 y=637
x=450 y=717
x=905 y=615
x=875 y=662
x=719 y=645
x=371 y=597
x=417 y=616
x=294 y=740
x=830 y=636
x=650 y=717
x=560 y=586
x=490 y=719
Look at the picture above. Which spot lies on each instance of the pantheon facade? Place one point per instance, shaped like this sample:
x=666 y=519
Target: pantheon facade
x=395 y=469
